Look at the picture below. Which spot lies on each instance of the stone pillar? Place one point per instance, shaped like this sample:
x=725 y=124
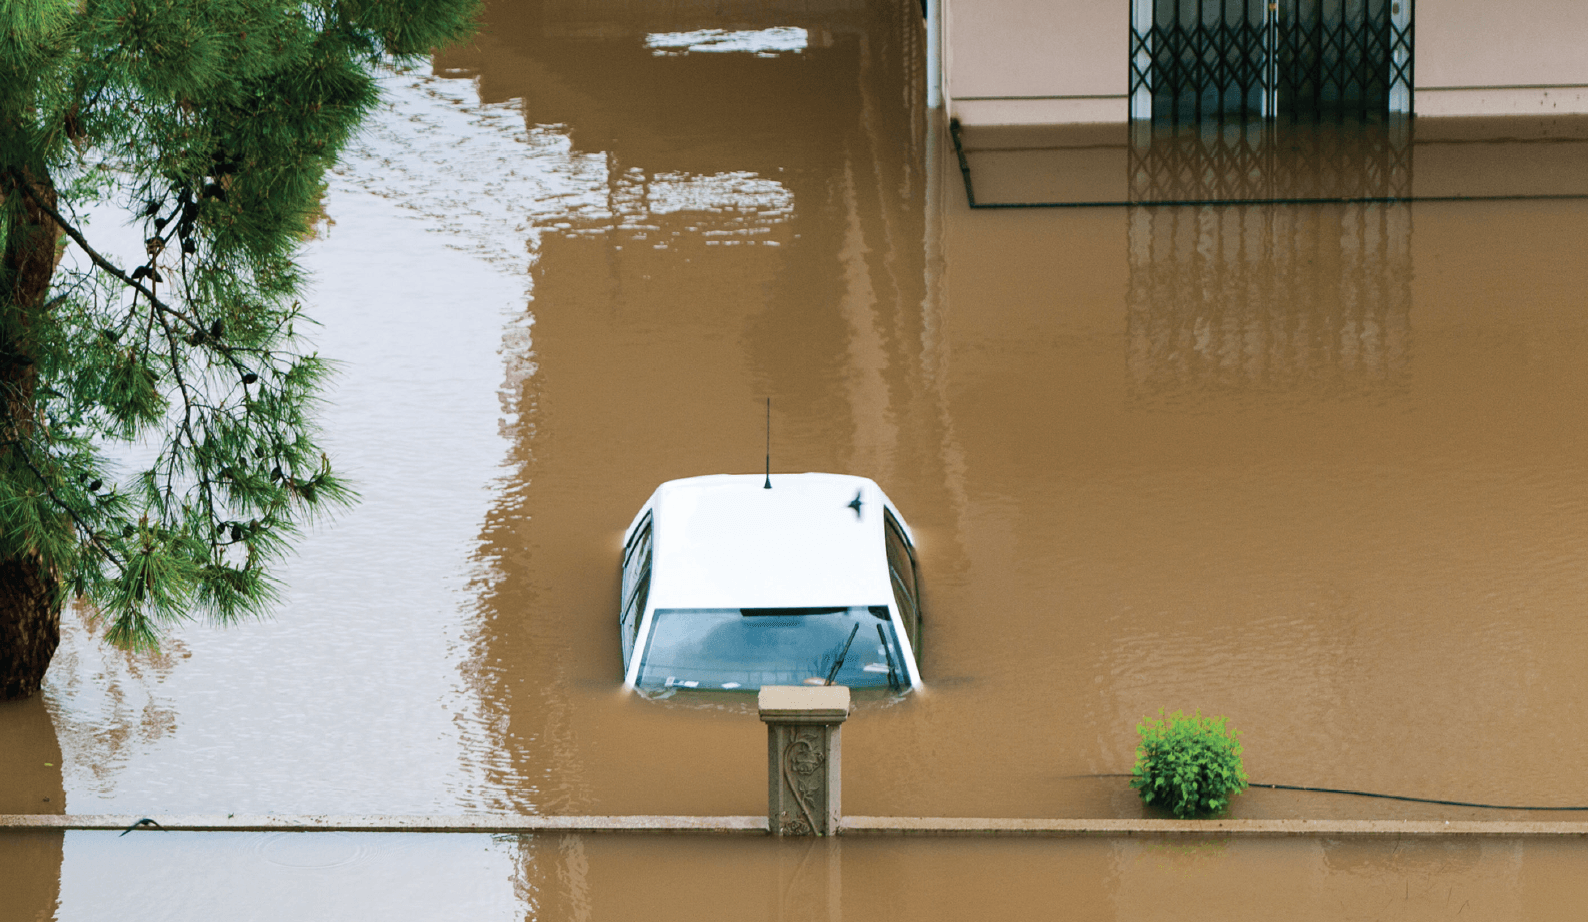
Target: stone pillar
x=803 y=757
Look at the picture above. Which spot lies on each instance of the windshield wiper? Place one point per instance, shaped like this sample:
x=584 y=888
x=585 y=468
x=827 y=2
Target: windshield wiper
x=893 y=676
x=839 y=663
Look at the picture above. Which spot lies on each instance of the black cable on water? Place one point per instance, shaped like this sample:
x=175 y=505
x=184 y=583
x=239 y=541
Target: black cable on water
x=1415 y=800
x=1350 y=793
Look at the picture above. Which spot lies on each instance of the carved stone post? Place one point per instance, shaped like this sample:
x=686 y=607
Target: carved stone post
x=803 y=757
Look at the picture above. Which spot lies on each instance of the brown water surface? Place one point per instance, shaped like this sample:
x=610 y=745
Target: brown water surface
x=188 y=876
x=1321 y=469
x=1316 y=468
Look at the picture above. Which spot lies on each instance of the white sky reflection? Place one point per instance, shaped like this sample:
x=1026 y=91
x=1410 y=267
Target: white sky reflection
x=421 y=281
x=671 y=192
x=766 y=43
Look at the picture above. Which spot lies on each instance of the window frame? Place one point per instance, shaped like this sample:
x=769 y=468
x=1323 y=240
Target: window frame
x=635 y=583
x=909 y=613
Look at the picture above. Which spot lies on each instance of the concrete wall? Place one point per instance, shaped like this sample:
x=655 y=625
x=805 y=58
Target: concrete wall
x=1021 y=62
x=1501 y=57
x=1017 y=62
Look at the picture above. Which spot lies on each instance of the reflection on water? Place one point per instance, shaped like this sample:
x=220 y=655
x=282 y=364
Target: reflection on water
x=574 y=877
x=1266 y=159
x=1154 y=458
x=733 y=185
x=30 y=783
x=185 y=876
x=108 y=706
x=349 y=698
x=767 y=21
x=725 y=209
x=1270 y=298
x=765 y=43
x=666 y=193
x=283 y=876
x=30 y=865
x=1325 y=160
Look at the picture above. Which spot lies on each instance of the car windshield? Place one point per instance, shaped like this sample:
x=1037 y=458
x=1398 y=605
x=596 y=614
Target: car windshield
x=746 y=648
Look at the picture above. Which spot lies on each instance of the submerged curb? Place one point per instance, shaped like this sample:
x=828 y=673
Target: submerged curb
x=1053 y=828
x=851 y=826
x=478 y=823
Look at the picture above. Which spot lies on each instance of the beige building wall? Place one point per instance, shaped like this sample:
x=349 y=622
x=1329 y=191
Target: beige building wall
x=1501 y=57
x=1025 y=62
x=1020 y=62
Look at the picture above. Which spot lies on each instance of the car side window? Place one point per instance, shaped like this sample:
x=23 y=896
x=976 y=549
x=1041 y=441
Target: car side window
x=901 y=566
x=636 y=582
x=636 y=611
x=636 y=560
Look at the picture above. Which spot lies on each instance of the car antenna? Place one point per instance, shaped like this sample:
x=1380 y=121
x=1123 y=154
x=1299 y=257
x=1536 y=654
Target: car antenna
x=768 y=484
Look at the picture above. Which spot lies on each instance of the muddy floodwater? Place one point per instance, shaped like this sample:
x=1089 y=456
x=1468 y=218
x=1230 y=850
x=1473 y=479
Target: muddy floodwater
x=198 y=876
x=1322 y=469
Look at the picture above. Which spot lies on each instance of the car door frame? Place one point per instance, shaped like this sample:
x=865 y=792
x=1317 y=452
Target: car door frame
x=911 y=623
x=644 y=532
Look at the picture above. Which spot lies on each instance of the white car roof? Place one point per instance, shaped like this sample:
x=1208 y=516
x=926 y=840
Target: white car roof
x=724 y=541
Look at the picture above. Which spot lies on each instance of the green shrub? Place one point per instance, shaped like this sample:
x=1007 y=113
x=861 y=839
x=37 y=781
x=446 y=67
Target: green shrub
x=1191 y=765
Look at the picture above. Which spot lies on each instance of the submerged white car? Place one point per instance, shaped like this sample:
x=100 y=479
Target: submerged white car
x=730 y=585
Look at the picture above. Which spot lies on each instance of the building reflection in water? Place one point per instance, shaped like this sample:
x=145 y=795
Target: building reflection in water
x=1266 y=159
x=750 y=225
x=1270 y=296
x=30 y=783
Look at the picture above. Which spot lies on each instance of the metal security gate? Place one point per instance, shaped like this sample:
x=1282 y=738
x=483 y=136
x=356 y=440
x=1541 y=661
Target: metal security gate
x=1197 y=60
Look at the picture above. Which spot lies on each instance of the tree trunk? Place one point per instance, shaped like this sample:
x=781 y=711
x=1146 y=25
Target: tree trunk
x=30 y=603
x=30 y=626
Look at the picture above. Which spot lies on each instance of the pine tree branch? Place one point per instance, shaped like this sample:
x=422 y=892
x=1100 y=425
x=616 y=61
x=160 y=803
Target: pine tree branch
x=93 y=537
x=187 y=423
x=191 y=321
x=100 y=261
